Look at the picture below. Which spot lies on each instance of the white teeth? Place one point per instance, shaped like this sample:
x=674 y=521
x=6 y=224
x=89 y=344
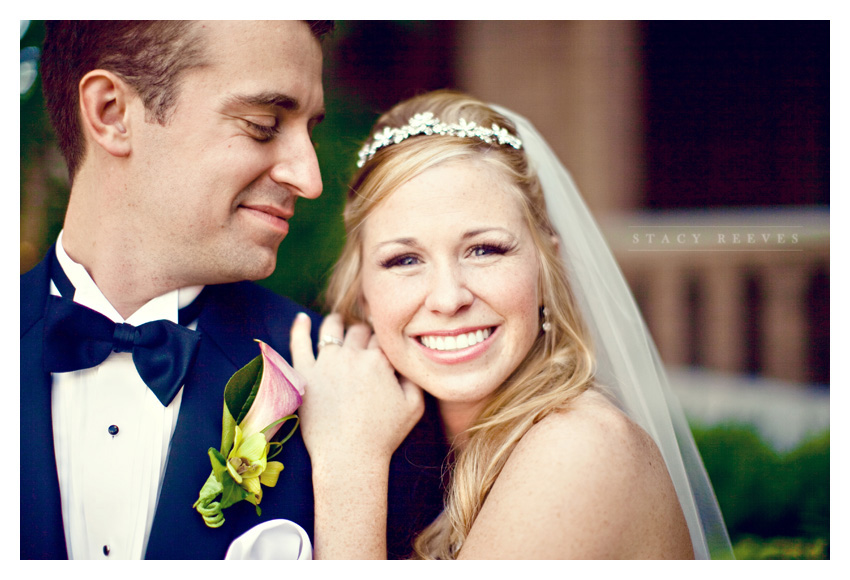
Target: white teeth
x=455 y=342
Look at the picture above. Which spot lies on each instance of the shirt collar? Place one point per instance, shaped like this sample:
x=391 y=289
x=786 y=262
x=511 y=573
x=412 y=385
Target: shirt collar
x=87 y=293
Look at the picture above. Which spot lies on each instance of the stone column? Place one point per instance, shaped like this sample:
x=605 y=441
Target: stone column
x=724 y=291
x=667 y=311
x=784 y=322
x=579 y=83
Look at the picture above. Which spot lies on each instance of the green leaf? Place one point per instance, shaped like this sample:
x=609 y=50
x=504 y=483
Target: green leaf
x=211 y=512
x=231 y=492
x=255 y=388
x=211 y=488
x=219 y=463
x=209 y=509
x=242 y=388
x=213 y=485
x=228 y=431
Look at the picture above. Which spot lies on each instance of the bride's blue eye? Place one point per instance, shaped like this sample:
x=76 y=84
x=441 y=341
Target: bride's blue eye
x=403 y=260
x=482 y=250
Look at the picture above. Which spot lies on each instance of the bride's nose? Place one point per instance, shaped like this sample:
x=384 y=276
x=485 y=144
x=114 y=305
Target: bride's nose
x=447 y=291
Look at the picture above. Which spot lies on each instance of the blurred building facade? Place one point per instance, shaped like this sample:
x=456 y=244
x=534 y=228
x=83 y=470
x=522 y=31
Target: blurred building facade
x=706 y=129
x=722 y=229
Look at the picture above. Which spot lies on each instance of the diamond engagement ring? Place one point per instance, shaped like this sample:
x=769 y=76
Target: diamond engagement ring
x=328 y=339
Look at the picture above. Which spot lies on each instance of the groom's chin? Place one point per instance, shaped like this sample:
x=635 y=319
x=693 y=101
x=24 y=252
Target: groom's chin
x=252 y=263
x=259 y=269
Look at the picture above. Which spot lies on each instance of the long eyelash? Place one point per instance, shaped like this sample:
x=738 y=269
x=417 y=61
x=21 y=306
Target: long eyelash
x=496 y=248
x=265 y=131
x=396 y=261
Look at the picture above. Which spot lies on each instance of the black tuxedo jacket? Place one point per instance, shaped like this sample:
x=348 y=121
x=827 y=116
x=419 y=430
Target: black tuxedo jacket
x=233 y=316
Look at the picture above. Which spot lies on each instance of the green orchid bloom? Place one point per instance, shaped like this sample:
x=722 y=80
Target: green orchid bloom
x=248 y=465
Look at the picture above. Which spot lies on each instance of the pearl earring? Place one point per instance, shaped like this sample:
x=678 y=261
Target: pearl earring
x=544 y=313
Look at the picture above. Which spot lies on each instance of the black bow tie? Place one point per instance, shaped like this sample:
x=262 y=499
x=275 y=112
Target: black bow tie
x=77 y=338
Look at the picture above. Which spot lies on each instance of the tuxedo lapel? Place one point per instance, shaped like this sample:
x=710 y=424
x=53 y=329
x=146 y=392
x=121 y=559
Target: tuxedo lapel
x=178 y=530
x=227 y=344
x=42 y=532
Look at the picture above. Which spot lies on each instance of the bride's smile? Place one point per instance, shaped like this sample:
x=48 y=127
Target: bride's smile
x=453 y=340
x=457 y=347
x=450 y=279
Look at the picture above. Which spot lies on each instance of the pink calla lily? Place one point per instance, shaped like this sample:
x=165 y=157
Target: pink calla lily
x=279 y=395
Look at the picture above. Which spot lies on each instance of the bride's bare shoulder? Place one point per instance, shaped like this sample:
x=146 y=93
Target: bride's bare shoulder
x=595 y=439
x=591 y=425
x=586 y=482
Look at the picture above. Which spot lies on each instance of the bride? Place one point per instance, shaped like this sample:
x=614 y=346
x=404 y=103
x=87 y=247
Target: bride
x=473 y=271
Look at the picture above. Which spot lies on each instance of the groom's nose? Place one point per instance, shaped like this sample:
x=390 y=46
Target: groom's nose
x=296 y=165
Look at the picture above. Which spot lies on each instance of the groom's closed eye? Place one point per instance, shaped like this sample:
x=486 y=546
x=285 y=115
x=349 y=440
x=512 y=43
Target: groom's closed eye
x=262 y=132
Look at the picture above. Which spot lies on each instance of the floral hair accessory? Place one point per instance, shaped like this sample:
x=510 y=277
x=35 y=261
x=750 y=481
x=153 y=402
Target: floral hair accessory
x=258 y=399
x=428 y=124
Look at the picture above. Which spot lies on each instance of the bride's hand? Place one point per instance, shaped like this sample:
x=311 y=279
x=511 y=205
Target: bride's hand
x=355 y=409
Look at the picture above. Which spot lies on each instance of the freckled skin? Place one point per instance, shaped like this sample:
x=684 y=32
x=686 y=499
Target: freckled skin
x=587 y=483
x=443 y=226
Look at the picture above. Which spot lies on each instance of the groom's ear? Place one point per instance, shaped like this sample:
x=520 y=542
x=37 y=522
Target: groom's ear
x=104 y=111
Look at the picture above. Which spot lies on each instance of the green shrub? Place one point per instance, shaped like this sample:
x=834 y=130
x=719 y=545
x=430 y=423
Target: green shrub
x=808 y=465
x=764 y=494
x=753 y=548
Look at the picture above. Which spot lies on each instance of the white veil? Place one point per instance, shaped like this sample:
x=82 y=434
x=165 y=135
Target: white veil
x=628 y=363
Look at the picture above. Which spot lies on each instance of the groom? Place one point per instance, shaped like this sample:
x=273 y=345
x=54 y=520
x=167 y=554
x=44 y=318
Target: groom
x=187 y=144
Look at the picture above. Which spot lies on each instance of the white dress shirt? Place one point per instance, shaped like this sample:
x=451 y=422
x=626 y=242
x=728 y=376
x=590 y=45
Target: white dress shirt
x=109 y=484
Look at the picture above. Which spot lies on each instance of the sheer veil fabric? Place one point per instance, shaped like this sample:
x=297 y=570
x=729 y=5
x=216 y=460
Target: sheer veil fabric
x=628 y=365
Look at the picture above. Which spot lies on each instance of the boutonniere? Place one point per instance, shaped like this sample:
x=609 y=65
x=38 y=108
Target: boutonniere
x=258 y=400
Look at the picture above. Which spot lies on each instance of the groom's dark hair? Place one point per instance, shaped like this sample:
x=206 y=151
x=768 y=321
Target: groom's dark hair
x=150 y=55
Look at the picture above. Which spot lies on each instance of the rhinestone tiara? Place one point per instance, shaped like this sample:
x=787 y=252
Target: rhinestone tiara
x=428 y=124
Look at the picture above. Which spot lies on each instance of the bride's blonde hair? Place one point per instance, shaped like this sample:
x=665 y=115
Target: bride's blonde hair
x=560 y=363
